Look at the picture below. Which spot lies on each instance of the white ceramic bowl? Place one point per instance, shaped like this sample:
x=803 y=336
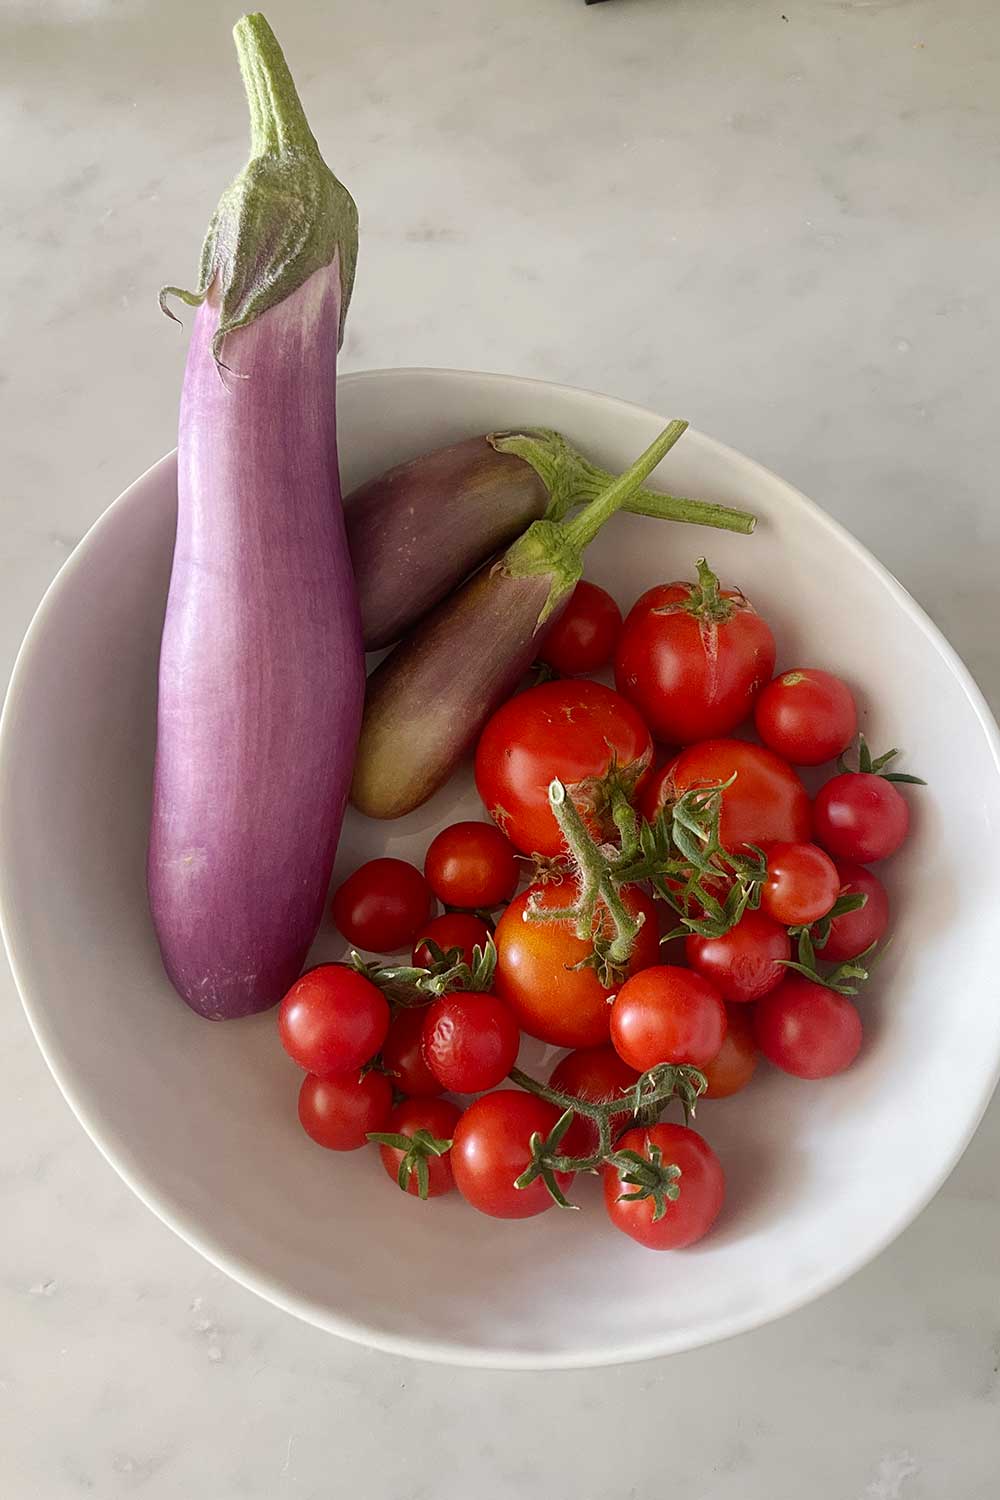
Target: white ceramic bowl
x=200 y=1119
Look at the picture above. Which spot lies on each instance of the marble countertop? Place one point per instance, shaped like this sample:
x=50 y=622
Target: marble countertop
x=777 y=217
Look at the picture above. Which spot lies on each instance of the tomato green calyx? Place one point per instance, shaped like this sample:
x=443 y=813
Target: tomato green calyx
x=819 y=931
x=649 y=1178
x=869 y=766
x=416 y=1149
x=408 y=985
x=848 y=977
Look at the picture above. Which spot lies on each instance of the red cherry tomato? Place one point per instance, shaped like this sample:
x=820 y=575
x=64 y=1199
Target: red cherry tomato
x=571 y=730
x=702 y=1186
x=855 y=931
x=584 y=637
x=491 y=1148
x=667 y=1015
x=692 y=658
x=537 y=973
x=332 y=1020
x=456 y=929
x=439 y=1118
x=860 y=816
x=382 y=906
x=745 y=962
x=403 y=1055
x=766 y=804
x=596 y=1074
x=470 y=1041
x=807 y=716
x=802 y=884
x=734 y=1066
x=471 y=865
x=339 y=1112
x=806 y=1029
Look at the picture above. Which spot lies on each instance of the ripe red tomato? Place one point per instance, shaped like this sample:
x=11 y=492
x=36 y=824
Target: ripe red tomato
x=745 y=962
x=807 y=716
x=491 y=1148
x=339 y=1112
x=806 y=1029
x=597 y=1074
x=702 y=1186
x=584 y=637
x=860 y=816
x=537 y=975
x=570 y=730
x=470 y=1041
x=692 y=658
x=734 y=1066
x=667 y=1015
x=439 y=1118
x=855 y=931
x=471 y=865
x=802 y=884
x=383 y=905
x=456 y=929
x=332 y=1020
x=766 y=804
x=403 y=1055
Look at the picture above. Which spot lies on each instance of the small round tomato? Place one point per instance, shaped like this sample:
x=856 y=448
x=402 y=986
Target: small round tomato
x=801 y=886
x=596 y=1074
x=766 y=804
x=537 y=968
x=855 y=931
x=383 y=905
x=339 y=1112
x=491 y=1147
x=692 y=658
x=470 y=1041
x=806 y=1029
x=438 y=1117
x=807 y=716
x=456 y=929
x=702 y=1187
x=471 y=865
x=332 y=1020
x=745 y=962
x=403 y=1055
x=733 y=1067
x=860 y=816
x=584 y=637
x=571 y=730
x=667 y=1015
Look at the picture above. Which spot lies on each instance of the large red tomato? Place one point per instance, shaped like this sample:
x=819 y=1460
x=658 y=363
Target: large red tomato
x=766 y=804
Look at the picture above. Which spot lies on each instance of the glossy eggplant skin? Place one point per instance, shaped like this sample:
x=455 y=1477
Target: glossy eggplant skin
x=421 y=528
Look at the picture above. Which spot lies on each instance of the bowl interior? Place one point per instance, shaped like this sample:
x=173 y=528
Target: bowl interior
x=200 y=1119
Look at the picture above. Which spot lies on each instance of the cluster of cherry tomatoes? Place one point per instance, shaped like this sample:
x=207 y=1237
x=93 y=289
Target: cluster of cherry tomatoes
x=686 y=988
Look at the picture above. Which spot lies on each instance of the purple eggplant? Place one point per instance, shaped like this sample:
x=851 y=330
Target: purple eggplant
x=261 y=677
x=429 y=698
x=419 y=529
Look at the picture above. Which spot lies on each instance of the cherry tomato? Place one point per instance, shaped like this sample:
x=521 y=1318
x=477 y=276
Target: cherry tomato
x=855 y=931
x=806 y=1029
x=537 y=975
x=860 y=816
x=766 y=804
x=456 y=929
x=491 y=1148
x=439 y=1118
x=584 y=637
x=597 y=1074
x=332 y=1020
x=802 y=884
x=745 y=962
x=471 y=865
x=734 y=1066
x=470 y=1041
x=403 y=1055
x=667 y=1015
x=339 y=1112
x=383 y=905
x=807 y=716
x=570 y=730
x=702 y=1186
x=692 y=658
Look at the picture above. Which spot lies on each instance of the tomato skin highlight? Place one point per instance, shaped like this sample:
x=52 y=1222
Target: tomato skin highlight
x=802 y=884
x=332 y=1020
x=491 y=1148
x=806 y=716
x=584 y=637
x=455 y=929
x=860 y=816
x=855 y=931
x=470 y=1041
x=766 y=804
x=667 y=1015
x=746 y=962
x=807 y=1030
x=596 y=1074
x=471 y=865
x=702 y=1186
x=535 y=972
x=338 y=1112
x=734 y=1066
x=403 y=1055
x=439 y=1117
x=382 y=906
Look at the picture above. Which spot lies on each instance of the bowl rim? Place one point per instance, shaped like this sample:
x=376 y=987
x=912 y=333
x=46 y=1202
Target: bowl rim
x=271 y=1289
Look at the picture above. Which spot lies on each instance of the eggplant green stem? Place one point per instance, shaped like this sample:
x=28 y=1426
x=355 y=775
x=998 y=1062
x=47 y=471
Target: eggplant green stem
x=582 y=529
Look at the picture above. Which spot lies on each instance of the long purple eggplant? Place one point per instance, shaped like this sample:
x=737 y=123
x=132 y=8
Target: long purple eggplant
x=261 y=668
x=419 y=529
x=430 y=697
